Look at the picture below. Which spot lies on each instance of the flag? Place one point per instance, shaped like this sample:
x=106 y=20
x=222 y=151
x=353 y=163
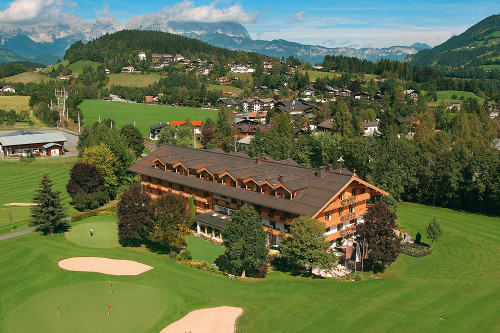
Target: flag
x=348 y=252
x=58 y=307
x=109 y=307
x=358 y=253
x=111 y=284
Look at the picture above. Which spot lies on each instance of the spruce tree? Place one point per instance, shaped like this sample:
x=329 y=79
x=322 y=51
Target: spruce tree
x=245 y=242
x=48 y=214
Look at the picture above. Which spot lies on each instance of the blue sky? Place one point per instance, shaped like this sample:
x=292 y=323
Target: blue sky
x=355 y=23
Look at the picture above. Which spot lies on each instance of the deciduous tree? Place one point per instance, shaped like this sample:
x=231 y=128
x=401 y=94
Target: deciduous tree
x=132 y=215
x=378 y=231
x=134 y=138
x=307 y=248
x=105 y=162
x=169 y=221
x=434 y=230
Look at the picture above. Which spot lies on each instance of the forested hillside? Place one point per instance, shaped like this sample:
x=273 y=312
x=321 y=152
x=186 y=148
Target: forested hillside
x=478 y=48
x=120 y=49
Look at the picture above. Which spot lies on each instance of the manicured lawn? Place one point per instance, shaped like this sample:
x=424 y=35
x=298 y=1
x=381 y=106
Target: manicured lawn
x=454 y=289
x=17 y=103
x=314 y=75
x=19 y=181
x=104 y=234
x=83 y=307
x=133 y=80
x=144 y=115
x=203 y=250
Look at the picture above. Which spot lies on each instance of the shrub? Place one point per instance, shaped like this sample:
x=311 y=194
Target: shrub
x=262 y=272
x=186 y=255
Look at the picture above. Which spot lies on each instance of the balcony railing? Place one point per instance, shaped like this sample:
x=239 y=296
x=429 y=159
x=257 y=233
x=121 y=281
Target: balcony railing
x=348 y=217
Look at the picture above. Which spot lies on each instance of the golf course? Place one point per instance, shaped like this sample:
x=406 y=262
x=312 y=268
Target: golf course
x=453 y=289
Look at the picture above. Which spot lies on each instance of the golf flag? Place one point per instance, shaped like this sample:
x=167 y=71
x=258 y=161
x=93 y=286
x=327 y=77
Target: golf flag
x=58 y=307
x=109 y=307
x=111 y=284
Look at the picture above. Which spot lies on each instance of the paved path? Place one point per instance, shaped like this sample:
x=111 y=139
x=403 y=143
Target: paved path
x=17 y=233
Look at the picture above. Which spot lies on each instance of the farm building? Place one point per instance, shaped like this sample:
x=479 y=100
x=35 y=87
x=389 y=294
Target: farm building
x=280 y=191
x=21 y=143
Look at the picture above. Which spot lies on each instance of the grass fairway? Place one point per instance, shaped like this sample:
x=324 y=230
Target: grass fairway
x=17 y=103
x=133 y=80
x=26 y=77
x=22 y=179
x=105 y=232
x=84 y=308
x=144 y=115
x=454 y=289
x=203 y=250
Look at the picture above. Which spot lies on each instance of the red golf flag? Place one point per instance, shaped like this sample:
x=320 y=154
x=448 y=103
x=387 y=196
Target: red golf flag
x=58 y=307
x=111 y=284
x=109 y=307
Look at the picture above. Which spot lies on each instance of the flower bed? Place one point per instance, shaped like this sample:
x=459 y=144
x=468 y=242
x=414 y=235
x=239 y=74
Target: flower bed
x=415 y=250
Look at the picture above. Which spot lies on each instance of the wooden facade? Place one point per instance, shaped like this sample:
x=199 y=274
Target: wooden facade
x=221 y=183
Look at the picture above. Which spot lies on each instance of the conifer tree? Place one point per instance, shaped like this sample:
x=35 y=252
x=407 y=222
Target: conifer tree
x=245 y=242
x=48 y=214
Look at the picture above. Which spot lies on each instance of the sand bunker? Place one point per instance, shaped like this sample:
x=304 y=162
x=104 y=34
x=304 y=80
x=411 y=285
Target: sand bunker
x=212 y=320
x=104 y=265
x=20 y=204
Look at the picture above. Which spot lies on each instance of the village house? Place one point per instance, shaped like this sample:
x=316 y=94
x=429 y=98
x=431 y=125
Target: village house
x=240 y=69
x=243 y=129
x=244 y=143
x=412 y=94
x=294 y=107
x=280 y=191
x=229 y=102
x=8 y=89
x=142 y=55
x=22 y=143
x=257 y=104
x=309 y=91
x=128 y=70
x=370 y=128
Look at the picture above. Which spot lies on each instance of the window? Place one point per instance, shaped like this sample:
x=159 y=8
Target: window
x=328 y=217
x=340 y=211
x=233 y=183
x=354 y=192
x=273 y=224
x=351 y=208
x=181 y=187
x=342 y=196
x=363 y=190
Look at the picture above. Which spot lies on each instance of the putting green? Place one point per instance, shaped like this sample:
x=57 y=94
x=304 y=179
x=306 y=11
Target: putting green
x=105 y=232
x=84 y=308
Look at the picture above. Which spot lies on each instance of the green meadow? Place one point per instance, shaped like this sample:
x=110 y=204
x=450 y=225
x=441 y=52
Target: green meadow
x=455 y=289
x=446 y=97
x=144 y=115
x=19 y=181
x=26 y=77
x=133 y=80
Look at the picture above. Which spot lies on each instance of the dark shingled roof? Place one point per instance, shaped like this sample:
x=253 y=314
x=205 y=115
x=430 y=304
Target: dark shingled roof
x=213 y=219
x=318 y=187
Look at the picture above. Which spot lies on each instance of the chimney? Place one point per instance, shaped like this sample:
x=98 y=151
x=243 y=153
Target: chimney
x=321 y=171
x=281 y=179
x=258 y=160
x=329 y=167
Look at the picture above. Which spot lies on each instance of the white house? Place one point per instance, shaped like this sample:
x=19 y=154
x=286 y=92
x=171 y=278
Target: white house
x=142 y=55
x=9 y=89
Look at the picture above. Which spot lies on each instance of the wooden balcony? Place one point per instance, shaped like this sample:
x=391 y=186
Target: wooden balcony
x=276 y=232
x=347 y=231
x=341 y=203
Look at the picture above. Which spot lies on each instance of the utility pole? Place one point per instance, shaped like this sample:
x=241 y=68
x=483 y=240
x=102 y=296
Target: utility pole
x=78 y=121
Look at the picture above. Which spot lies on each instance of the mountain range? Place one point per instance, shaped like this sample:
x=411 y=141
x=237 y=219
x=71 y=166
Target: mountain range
x=46 y=43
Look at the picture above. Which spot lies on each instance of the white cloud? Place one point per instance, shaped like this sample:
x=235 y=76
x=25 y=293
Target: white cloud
x=32 y=11
x=297 y=18
x=185 y=11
